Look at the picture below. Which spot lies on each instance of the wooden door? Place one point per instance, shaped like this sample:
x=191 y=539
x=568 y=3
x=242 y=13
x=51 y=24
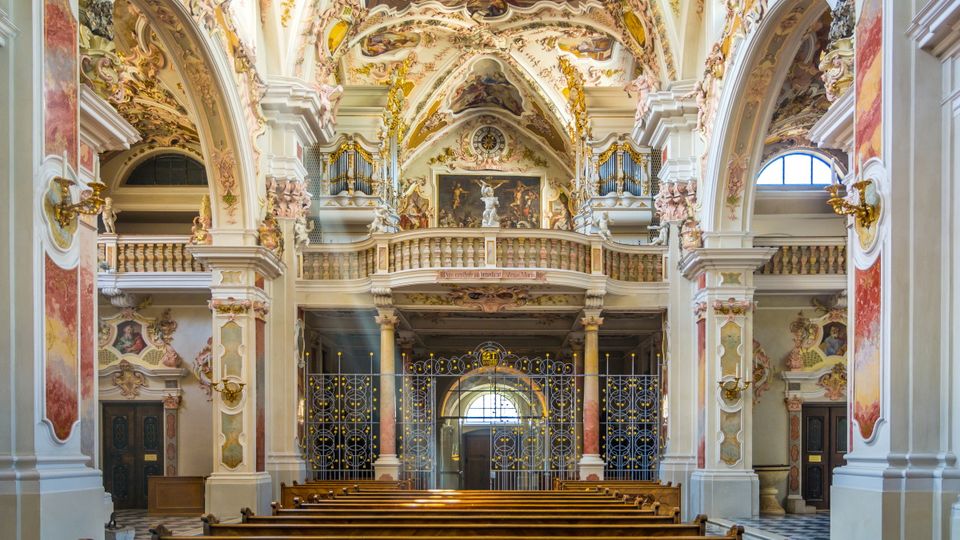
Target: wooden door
x=824 y=446
x=132 y=450
x=476 y=459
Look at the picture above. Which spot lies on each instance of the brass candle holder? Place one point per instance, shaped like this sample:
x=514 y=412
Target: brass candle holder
x=732 y=389
x=865 y=213
x=65 y=212
x=231 y=391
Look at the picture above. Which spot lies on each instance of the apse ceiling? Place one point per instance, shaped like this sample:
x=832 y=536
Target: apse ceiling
x=502 y=56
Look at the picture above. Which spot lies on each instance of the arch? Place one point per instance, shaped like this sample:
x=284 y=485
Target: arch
x=211 y=88
x=761 y=61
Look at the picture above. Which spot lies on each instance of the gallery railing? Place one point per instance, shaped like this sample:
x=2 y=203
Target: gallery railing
x=146 y=254
x=448 y=249
x=805 y=257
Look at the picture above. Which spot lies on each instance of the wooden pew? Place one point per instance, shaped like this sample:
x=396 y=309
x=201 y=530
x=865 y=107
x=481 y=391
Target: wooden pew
x=211 y=527
x=526 y=520
x=600 y=513
x=668 y=495
x=161 y=532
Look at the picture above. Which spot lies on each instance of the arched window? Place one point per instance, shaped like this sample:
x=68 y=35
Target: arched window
x=492 y=407
x=797 y=169
x=168 y=170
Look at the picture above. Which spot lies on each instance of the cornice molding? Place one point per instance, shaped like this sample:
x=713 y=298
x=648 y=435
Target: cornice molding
x=257 y=258
x=102 y=126
x=290 y=101
x=936 y=27
x=835 y=127
x=697 y=261
x=8 y=30
x=668 y=111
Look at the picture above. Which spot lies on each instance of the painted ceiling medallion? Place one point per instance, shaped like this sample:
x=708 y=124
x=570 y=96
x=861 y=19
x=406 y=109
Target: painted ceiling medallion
x=489 y=142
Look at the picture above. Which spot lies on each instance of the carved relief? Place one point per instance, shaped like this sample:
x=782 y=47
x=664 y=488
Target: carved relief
x=203 y=368
x=490 y=299
x=129 y=381
x=834 y=382
x=761 y=371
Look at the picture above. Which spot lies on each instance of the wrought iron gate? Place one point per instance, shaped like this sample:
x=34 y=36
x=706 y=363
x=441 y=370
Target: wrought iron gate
x=527 y=450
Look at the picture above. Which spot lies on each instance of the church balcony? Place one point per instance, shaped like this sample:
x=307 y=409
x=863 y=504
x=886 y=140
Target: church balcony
x=816 y=265
x=429 y=256
x=148 y=262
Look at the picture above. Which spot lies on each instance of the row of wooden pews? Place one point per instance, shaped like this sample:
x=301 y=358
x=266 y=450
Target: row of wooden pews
x=391 y=511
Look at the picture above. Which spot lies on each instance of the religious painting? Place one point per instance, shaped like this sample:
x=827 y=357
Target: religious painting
x=60 y=83
x=869 y=82
x=414 y=208
x=487 y=86
x=834 y=339
x=459 y=201
x=867 y=343
x=599 y=48
x=387 y=42
x=129 y=338
x=61 y=338
x=561 y=212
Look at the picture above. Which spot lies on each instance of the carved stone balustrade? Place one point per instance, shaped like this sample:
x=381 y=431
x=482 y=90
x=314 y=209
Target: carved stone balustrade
x=148 y=262
x=815 y=265
x=445 y=249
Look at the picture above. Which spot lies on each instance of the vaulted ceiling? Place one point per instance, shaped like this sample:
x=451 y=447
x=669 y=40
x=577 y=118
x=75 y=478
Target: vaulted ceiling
x=500 y=56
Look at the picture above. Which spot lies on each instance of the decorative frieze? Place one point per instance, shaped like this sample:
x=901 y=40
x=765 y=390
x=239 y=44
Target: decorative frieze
x=232 y=308
x=732 y=307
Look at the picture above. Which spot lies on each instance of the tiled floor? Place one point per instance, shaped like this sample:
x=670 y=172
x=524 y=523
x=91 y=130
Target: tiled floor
x=790 y=526
x=143 y=523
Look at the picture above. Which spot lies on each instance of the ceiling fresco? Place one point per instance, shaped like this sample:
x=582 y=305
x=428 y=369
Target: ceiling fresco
x=466 y=55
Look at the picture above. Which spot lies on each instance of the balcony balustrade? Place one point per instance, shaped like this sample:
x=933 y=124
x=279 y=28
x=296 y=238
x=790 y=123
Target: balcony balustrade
x=122 y=254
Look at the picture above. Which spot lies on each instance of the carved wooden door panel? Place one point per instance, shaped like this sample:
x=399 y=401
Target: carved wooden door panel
x=132 y=450
x=824 y=446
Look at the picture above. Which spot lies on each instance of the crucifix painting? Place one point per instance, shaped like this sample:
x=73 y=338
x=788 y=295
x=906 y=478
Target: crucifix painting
x=460 y=205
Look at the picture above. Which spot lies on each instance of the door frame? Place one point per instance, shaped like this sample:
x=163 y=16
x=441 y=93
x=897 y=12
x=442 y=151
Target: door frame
x=139 y=485
x=831 y=440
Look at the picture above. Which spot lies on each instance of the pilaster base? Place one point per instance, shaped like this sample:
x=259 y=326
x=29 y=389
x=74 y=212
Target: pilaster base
x=387 y=467
x=51 y=502
x=725 y=494
x=677 y=470
x=285 y=468
x=591 y=467
x=796 y=505
x=229 y=493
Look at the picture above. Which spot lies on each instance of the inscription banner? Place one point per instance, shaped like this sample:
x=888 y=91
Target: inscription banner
x=456 y=275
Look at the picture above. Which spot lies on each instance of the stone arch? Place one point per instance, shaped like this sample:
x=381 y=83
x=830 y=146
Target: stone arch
x=206 y=70
x=744 y=109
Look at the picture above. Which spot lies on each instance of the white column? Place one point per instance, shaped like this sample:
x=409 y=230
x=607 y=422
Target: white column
x=901 y=475
x=724 y=484
x=292 y=109
x=240 y=305
x=387 y=466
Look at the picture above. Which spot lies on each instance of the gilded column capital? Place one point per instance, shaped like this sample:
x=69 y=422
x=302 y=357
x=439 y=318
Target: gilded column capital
x=387 y=318
x=591 y=320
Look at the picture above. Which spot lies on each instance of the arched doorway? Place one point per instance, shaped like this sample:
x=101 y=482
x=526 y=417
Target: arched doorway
x=502 y=421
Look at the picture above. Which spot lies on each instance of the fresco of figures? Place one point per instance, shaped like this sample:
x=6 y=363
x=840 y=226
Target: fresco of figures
x=414 y=208
x=459 y=203
x=487 y=86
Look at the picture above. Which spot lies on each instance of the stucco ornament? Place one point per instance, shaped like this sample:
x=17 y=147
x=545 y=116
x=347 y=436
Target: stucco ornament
x=203 y=368
x=490 y=299
x=129 y=381
x=836 y=62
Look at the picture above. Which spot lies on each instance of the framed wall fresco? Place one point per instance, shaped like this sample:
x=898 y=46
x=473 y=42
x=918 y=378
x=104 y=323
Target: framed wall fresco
x=818 y=342
x=867 y=355
x=130 y=336
x=459 y=203
x=61 y=335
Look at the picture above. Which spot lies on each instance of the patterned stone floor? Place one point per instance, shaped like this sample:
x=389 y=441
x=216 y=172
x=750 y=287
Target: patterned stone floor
x=143 y=523
x=788 y=527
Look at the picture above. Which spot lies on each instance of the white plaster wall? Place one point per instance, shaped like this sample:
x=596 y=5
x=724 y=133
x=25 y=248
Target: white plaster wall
x=771 y=328
x=195 y=440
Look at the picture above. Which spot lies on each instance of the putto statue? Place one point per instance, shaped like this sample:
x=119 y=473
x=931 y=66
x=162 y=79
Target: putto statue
x=383 y=221
x=490 y=203
x=109 y=215
x=602 y=221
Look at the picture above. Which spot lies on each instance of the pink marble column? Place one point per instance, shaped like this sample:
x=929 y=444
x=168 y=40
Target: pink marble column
x=387 y=466
x=591 y=466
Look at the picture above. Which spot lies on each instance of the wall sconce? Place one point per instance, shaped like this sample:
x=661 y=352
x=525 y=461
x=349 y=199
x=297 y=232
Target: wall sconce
x=865 y=213
x=65 y=212
x=230 y=391
x=732 y=389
